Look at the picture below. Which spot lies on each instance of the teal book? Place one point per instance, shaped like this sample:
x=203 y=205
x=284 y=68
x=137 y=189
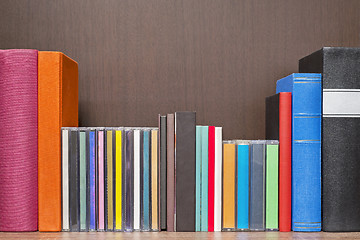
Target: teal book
x=204 y=178
x=272 y=185
x=198 y=180
x=242 y=188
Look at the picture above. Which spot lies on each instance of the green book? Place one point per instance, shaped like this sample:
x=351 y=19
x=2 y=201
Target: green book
x=272 y=185
x=198 y=180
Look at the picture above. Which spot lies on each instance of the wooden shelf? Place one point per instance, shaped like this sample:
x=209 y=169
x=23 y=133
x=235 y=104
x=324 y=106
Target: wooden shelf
x=166 y=235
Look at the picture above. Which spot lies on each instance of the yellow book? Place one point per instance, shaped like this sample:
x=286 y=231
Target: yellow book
x=118 y=180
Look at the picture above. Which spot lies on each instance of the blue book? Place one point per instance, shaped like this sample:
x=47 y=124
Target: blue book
x=146 y=181
x=204 y=178
x=242 y=185
x=92 y=181
x=198 y=180
x=306 y=149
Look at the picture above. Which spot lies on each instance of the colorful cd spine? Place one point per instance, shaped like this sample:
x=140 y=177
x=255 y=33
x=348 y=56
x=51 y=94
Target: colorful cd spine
x=65 y=180
x=92 y=180
x=128 y=183
x=118 y=180
x=146 y=180
x=101 y=181
x=154 y=181
x=136 y=205
x=74 y=181
x=218 y=179
x=109 y=182
x=242 y=209
x=82 y=167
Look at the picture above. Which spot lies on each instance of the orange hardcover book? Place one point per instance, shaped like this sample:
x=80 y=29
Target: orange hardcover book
x=57 y=107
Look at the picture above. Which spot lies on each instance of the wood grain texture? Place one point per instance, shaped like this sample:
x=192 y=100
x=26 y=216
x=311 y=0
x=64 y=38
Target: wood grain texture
x=138 y=58
x=179 y=235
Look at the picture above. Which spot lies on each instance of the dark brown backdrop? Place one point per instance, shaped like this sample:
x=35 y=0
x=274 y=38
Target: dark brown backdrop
x=138 y=58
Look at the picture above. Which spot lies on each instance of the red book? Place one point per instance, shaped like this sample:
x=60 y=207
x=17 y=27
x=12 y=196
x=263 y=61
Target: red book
x=211 y=180
x=285 y=162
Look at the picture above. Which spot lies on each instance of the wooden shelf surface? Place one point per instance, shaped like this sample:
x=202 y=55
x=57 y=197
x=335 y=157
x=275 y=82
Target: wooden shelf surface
x=180 y=235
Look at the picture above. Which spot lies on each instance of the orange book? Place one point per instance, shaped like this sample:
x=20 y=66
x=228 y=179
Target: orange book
x=57 y=107
x=229 y=186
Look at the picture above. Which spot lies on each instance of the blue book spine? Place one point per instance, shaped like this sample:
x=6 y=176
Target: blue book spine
x=92 y=183
x=146 y=184
x=198 y=180
x=242 y=186
x=306 y=149
x=204 y=178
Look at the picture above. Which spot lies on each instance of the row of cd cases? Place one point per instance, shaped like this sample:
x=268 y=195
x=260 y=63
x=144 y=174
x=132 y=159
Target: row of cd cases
x=110 y=179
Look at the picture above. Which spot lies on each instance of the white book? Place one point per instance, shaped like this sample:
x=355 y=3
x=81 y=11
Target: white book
x=218 y=179
x=136 y=179
x=65 y=180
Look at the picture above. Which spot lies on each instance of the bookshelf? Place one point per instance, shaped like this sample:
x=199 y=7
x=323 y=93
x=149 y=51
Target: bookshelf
x=166 y=235
x=140 y=58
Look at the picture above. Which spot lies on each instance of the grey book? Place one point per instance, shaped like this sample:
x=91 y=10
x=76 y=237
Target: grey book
x=185 y=161
x=128 y=180
x=257 y=186
x=74 y=204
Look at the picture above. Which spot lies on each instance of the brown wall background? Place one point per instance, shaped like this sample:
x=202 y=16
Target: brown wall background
x=138 y=58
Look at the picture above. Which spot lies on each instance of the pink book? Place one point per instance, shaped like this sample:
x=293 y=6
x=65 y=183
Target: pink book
x=101 y=180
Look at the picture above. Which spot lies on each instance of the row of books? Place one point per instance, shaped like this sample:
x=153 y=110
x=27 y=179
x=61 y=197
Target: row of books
x=110 y=179
x=314 y=116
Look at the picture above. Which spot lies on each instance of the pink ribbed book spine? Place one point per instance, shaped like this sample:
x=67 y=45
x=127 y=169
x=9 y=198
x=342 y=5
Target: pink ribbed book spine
x=101 y=226
x=18 y=140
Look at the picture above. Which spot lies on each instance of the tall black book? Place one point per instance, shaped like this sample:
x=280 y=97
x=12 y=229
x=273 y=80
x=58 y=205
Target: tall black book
x=185 y=155
x=340 y=68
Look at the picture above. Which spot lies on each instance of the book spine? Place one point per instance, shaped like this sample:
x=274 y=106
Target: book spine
x=170 y=185
x=109 y=181
x=65 y=180
x=74 y=182
x=185 y=155
x=19 y=144
x=228 y=187
x=204 y=178
x=92 y=181
x=146 y=179
x=272 y=190
x=218 y=179
x=162 y=153
x=101 y=181
x=306 y=158
x=211 y=178
x=136 y=180
x=128 y=183
x=242 y=187
x=198 y=179
x=118 y=180
x=154 y=181
x=285 y=162
x=257 y=186
x=82 y=167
